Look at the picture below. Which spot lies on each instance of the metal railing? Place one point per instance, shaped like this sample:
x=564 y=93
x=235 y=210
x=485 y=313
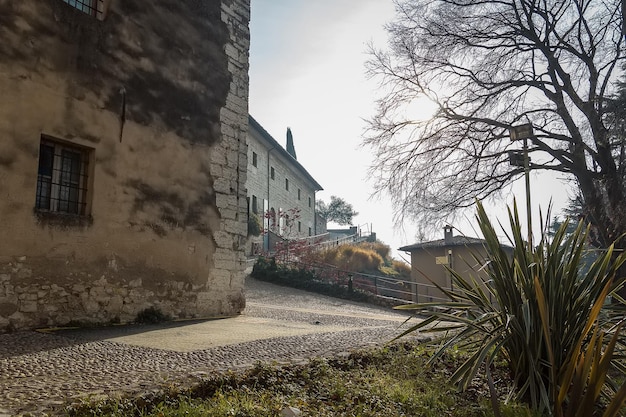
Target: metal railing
x=323 y=241
x=396 y=290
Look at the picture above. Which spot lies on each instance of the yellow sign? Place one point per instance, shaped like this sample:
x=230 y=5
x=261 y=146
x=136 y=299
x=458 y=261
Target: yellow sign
x=441 y=260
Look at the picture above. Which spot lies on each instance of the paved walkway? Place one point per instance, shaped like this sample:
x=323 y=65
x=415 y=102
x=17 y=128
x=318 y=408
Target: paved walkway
x=42 y=372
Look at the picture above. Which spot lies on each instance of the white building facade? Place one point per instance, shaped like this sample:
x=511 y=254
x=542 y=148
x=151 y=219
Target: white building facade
x=281 y=192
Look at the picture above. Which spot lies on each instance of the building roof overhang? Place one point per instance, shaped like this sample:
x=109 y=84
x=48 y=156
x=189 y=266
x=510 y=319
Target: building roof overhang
x=273 y=144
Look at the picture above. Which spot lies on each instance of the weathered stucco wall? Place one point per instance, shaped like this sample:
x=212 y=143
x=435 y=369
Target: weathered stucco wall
x=425 y=269
x=156 y=95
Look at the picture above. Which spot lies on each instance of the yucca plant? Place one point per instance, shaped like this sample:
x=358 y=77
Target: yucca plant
x=539 y=311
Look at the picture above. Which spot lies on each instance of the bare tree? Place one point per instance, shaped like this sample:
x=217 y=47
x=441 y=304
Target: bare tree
x=490 y=65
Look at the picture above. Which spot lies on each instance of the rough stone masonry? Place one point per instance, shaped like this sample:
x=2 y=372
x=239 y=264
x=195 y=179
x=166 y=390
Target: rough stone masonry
x=122 y=159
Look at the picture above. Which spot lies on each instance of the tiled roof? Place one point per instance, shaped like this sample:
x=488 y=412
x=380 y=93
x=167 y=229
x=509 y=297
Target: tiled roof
x=441 y=243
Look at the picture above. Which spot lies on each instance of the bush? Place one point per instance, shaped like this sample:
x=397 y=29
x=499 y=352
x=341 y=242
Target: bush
x=549 y=320
x=378 y=247
x=152 y=315
x=254 y=225
x=402 y=268
x=268 y=270
x=364 y=257
x=360 y=259
x=352 y=258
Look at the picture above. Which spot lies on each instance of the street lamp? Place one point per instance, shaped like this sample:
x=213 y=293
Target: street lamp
x=523 y=132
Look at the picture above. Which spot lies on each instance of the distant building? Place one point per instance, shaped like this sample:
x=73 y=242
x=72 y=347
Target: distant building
x=122 y=159
x=351 y=234
x=429 y=261
x=320 y=224
x=281 y=192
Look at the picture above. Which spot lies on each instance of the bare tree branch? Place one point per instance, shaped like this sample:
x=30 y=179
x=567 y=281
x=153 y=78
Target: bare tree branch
x=489 y=65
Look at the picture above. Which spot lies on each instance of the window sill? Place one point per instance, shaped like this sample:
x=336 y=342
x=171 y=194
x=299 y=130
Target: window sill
x=62 y=220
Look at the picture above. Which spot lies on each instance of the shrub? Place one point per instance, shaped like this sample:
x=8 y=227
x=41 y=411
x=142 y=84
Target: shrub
x=254 y=225
x=352 y=258
x=268 y=270
x=152 y=315
x=378 y=247
x=550 y=320
x=358 y=259
x=402 y=268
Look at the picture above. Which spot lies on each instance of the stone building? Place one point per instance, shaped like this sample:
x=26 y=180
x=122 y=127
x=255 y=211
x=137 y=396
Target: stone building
x=123 y=126
x=278 y=185
x=430 y=259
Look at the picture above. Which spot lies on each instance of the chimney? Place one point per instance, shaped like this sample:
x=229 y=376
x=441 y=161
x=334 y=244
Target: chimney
x=290 y=148
x=447 y=234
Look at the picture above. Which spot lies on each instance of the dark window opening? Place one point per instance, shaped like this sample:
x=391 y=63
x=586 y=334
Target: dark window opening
x=254 y=159
x=254 y=204
x=62 y=178
x=272 y=175
x=286 y=184
x=299 y=194
x=272 y=219
x=86 y=6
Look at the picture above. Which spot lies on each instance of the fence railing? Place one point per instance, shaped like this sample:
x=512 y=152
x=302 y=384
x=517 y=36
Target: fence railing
x=314 y=243
x=400 y=291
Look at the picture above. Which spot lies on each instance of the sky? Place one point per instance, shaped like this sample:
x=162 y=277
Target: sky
x=307 y=72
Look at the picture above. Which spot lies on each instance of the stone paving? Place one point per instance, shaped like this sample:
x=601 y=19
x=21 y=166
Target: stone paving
x=40 y=373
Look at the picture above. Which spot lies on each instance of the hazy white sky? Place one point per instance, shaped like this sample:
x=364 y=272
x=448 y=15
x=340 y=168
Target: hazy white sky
x=307 y=73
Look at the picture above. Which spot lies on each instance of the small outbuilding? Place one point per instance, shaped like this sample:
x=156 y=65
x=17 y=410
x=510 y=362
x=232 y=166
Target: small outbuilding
x=430 y=259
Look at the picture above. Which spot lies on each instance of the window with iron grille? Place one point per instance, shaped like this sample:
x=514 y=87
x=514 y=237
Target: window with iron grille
x=87 y=6
x=62 y=178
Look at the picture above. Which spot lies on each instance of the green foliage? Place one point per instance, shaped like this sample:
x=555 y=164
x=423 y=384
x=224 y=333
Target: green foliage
x=152 y=315
x=254 y=225
x=390 y=272
x=615 y=114
x=337 y=210
x=268 y=270
x=539 y=312
x=370 y=383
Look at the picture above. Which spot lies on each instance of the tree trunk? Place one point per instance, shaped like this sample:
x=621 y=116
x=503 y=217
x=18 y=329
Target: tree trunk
x=604 y=210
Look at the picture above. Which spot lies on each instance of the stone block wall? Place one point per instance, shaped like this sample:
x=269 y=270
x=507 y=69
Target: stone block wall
x=30 y=299
x=154 y=92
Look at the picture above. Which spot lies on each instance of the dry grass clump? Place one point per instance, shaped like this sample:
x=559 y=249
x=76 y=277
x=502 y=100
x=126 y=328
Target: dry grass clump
x=402 y=268
x=352 y=258
x=364 y=257
x=378 y=247
x=362 y=260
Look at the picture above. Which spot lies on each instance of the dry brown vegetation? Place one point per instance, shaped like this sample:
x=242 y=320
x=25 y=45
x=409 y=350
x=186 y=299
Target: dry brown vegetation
x=369 y=257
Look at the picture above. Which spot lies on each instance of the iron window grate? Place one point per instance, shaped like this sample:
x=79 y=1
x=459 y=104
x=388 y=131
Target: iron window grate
x=62 y=178
x=86 y=6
